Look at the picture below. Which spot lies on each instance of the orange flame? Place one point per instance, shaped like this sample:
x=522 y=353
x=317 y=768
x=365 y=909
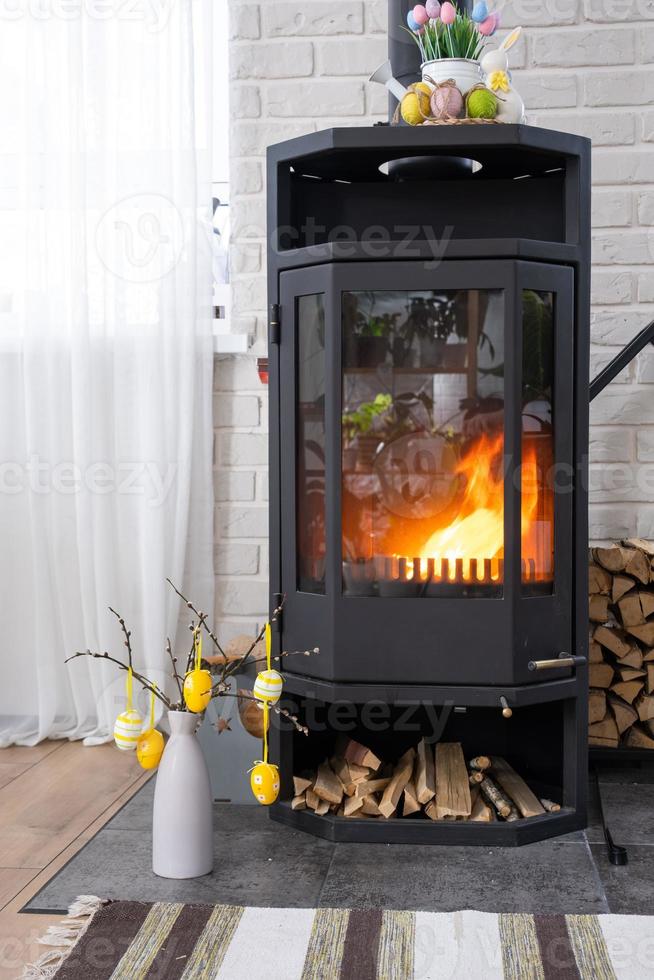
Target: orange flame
x=477 y=530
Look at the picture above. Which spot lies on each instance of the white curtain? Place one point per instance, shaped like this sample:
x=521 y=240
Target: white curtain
x=105 y=350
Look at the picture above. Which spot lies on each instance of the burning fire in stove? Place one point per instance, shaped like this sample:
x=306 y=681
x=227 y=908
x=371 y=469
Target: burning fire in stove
x=463 y=543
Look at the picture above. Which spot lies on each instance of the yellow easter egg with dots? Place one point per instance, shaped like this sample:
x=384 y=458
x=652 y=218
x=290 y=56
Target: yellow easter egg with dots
x=268 y=686
x=127 y=729
x=264 y=780
x=197 y=689
x=149 y=749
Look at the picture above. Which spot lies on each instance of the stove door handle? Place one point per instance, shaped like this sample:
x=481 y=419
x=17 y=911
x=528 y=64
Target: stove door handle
x=563 y=660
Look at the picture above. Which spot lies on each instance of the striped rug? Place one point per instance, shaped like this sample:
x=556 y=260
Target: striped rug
x=134 y=941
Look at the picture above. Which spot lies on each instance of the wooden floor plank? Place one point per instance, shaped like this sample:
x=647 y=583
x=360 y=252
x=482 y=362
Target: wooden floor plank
x=49 y=805
x=106 y=767
x=9 y=771
x=12 y=881
x=30 y=755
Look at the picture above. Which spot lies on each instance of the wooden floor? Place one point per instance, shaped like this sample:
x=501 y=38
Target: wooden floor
x=53 y=799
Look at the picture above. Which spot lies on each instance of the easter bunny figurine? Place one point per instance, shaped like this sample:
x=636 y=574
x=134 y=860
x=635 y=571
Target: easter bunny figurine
x=495 y=66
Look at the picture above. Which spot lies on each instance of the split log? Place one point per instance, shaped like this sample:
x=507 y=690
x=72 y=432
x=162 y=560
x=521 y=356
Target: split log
x=638 y=566
x=595 y=655
x=625 y=715
x=401 y=776
x=596 y=705
x=300 y=784
x=327 y=785
x=312 y=800
x=550 y=806
x=643 y=633
x=368 y=786
x=641 y=544
x=452 y=787
x=644 y=705
x=647 y=603
x=599 y=580
x=481 y=811
x=351 y=805
x=634 y=658
x=299 y=802
x=600 y=675
x=480 y=762
x=514 y=786
x=342 y=770
x=361 y=755
x=648 y=656
x=637 y=739
x=513 y=815
x=598 y=608
x=621 y=585
x=650 y=678
x=322 y=808
x=492 y=793
x=411 y=804
x=612 y=559
x=358 y=773
x=614 y=640
x=631 y=611
x=424 y=775
x=603 y=732
x=370 y=807
x=628 y=690
x=631 y=673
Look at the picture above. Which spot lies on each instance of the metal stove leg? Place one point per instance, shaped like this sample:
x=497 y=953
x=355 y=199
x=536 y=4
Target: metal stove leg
x=617 y=854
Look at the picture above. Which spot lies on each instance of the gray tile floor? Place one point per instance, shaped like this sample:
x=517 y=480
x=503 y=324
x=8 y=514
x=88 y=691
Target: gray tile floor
x=258 y=862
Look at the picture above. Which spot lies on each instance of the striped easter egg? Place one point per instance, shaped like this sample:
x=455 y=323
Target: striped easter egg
x=127 y=729
x=268 y=686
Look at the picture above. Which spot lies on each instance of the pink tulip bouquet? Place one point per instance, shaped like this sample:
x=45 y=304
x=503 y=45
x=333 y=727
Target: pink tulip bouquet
x=441 y=30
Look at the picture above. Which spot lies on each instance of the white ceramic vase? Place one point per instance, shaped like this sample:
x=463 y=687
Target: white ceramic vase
x=464 y=71
x=182 y=825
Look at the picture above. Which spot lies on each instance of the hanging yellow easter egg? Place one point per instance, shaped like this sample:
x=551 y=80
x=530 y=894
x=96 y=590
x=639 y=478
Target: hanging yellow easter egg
x=197 y=689
x=149 y=749
x=264 y=780
x=268 y=686
x=127 y=729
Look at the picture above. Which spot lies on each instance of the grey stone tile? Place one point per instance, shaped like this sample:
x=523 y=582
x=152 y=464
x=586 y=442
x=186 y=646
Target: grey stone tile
x=629 y=812
x=544 y=877
x=629 y=889
x=636 y=773
x=257 y=862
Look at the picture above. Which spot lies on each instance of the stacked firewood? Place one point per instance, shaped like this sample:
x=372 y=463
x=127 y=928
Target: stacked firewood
x=621 y=669
x=355 y=782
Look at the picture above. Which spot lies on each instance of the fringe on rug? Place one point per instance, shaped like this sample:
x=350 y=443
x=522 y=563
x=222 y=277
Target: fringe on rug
x=65 y=935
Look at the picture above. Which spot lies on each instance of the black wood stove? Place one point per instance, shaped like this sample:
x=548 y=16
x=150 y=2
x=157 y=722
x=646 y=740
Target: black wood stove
x=428 y=447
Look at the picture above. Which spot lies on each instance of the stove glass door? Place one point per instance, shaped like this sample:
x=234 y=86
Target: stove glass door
x=422 y=442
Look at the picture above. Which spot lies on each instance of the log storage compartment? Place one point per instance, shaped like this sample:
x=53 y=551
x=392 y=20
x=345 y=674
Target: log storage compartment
x=428 y=437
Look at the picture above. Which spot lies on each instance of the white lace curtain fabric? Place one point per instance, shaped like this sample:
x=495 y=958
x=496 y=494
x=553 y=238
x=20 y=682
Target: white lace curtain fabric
x=105 y=350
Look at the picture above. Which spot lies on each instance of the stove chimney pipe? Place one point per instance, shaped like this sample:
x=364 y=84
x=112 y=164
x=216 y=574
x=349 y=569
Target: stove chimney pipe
x=403 y=52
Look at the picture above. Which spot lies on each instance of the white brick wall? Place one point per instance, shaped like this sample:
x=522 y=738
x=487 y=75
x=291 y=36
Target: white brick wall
x=586 y=66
